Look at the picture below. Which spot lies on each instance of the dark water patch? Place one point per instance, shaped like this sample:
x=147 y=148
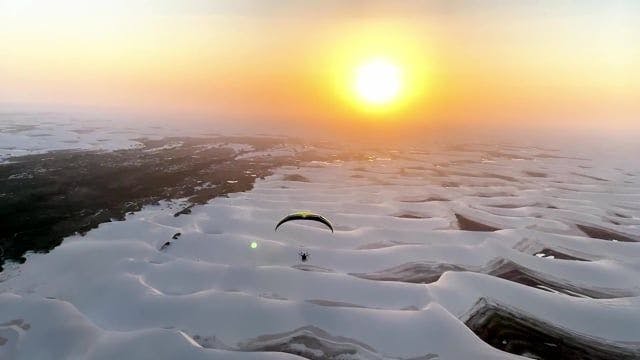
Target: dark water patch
x=427 y=272
x=467 y=224
x=558 y=255
x=313 y=268
x=488 y=176
x=535 y=174
x=311 y=343
x=519 y=333
x=84 y=131
x=69 y=192
x=330 y=303
x=422 y=200
x=449 y=184
x=408 y=215
x=495 y=194
x=413 y=272
x=208 y=342
x=589 y=176
x=551 y=156
x=501 y=177
x=436 y=198
x=511 y=206
x=622 y=215
x=511 y=271
x=295 y=177
x=482 y=175
x=604 y=234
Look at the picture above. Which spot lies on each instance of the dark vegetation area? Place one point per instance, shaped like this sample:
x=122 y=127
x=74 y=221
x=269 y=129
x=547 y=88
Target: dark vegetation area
x=46 y=197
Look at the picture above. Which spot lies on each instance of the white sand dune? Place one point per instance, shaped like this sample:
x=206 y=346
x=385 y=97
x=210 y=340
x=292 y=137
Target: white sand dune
x=397 y=280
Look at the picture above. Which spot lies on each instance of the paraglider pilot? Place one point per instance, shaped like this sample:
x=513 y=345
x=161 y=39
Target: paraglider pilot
x=303 y=256
x=305 y=215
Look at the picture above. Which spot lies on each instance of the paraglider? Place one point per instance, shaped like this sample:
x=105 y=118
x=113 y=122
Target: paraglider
x=305 y=215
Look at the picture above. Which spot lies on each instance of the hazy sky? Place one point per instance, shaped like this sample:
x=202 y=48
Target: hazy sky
x=573 y=63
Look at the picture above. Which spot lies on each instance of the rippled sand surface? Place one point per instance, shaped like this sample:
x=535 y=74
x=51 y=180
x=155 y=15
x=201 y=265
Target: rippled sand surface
x=466 y=252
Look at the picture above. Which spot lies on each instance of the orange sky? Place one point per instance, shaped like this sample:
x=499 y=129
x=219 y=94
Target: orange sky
x=534 y=62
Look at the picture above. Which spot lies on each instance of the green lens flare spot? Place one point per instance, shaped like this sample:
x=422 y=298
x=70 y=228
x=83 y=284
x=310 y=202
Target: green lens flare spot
x=254 y=245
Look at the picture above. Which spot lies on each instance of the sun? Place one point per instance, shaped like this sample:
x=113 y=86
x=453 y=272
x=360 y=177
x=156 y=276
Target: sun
x=378 y=82
x=380 y=75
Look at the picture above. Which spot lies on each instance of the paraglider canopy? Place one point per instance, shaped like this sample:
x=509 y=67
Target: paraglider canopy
x=305 y=215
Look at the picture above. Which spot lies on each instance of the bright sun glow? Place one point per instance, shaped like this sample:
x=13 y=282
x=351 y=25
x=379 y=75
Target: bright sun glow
x=379 y=74
x=378 y=82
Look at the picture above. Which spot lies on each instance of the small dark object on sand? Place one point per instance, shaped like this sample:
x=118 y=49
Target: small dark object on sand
x=304 y=256
x=165 y=246
x=176 y=236
x=185 y=211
